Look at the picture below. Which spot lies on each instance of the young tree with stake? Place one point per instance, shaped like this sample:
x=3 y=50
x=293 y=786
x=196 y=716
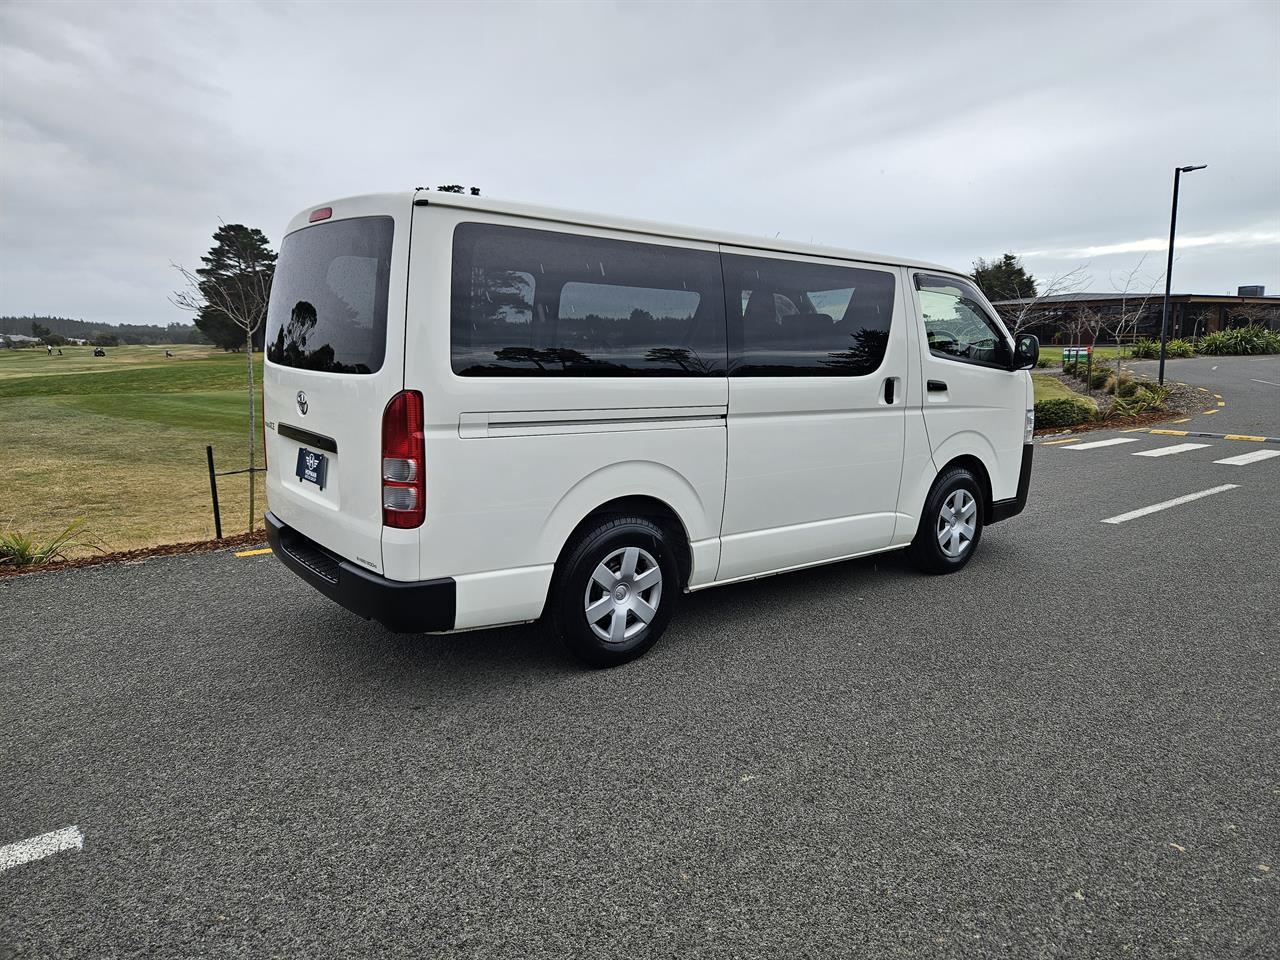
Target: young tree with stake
x=229 y=296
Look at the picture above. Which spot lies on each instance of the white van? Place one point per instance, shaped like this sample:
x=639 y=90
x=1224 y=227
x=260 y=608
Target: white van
x=483 y=413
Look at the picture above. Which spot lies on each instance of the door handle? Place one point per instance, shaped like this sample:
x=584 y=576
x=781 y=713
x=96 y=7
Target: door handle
x=937 y=386
x=888 y=391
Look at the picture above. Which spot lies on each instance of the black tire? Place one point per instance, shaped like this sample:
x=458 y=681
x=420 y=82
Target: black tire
x=926 y=551
x=575 y=585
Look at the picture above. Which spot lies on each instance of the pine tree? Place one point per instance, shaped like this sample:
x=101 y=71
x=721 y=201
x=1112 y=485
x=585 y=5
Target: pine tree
x=236 y=272
x=1004 y=279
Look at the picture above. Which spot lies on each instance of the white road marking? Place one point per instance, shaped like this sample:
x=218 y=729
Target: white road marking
x=37 y=848
x=1267 y=382
x=1093 y=445
x=1251 y=457
x=1175 y=502
x=1176 y=448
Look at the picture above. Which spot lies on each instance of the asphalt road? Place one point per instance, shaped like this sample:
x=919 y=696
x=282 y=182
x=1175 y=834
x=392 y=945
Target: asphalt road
x=1249 y=386
x=1070 y=749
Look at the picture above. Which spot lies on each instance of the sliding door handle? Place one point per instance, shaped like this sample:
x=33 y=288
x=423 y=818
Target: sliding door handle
x=937 y=386
x=888 y=390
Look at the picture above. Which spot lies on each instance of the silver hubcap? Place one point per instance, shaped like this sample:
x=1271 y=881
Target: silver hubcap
x=957 y=523
x=623 y=594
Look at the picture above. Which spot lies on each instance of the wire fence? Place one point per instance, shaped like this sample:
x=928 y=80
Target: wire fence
x=213 y=487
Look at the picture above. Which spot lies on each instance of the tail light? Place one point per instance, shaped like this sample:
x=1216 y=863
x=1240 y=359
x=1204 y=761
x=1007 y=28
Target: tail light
x=404 y=484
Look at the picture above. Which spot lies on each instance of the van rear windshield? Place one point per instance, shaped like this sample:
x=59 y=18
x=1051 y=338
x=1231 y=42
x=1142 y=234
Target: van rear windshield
x=328 y=307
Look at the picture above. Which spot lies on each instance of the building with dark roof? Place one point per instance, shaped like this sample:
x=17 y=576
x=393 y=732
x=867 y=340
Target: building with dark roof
x=1069 y=317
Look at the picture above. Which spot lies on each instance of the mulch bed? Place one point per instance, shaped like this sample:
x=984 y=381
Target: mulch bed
x=1182 y=402
x=241 y=542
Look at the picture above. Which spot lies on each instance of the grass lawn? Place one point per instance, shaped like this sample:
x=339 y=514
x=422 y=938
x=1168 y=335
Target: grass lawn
x=1051 y=388
x=1054 y=354
x=120 y=441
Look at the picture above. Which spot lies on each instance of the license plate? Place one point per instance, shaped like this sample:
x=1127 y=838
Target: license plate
x=312 y=467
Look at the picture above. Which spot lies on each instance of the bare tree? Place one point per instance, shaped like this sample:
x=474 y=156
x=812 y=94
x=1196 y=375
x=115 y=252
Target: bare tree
x=1254 y=314
x=1136 y=290
x=1027 y=311
x=242 y=298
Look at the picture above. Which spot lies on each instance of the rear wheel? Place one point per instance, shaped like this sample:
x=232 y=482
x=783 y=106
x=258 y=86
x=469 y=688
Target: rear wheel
x=951 y=525
x=613 y=594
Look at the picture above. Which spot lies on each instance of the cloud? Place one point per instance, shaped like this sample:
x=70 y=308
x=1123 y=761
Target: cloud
x=936 y=131
x=1231 y=238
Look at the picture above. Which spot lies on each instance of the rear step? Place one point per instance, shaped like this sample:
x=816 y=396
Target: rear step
x=310 y=554
x=424 y=606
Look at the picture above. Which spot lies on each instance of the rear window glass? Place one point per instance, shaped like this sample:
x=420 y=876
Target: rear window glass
x=328 y=306
x=536 y=303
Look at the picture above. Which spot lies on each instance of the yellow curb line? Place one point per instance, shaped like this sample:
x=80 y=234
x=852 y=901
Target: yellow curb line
x=1054 y=443
x=1215 y=436
x=1208 y=413
x=1204 y=389
x=1134 y=430
x=1183 y=420
x=1222 y=403
x=1218 y=395
x=253 y=553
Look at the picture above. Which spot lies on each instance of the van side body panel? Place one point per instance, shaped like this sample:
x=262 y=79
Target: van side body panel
x=815 y=461
x=980 y=411
x=514 y=464
x=918 y=466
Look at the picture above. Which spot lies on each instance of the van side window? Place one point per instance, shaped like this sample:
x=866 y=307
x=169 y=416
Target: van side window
x=956 y=324
x=792 y=318
x=539 y=303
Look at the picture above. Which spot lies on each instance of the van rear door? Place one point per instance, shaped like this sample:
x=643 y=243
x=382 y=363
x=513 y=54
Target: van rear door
x=335 y=357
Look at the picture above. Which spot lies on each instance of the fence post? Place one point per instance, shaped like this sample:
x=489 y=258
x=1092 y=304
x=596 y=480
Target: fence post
x=213 y=489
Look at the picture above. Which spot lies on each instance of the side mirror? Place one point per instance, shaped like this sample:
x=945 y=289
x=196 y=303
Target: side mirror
x=1026 y=352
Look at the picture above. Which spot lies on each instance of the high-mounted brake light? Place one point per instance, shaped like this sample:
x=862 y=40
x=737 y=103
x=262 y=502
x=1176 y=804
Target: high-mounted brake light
x=324 y=213
x=404 y=483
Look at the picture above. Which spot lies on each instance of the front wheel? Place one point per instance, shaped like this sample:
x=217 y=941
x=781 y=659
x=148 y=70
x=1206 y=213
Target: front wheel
x=951 y=525
x=613 y=594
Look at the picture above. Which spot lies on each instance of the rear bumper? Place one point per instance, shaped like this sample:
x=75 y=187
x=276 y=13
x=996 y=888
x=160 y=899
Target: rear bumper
x=427 y=606
x=1004 y=509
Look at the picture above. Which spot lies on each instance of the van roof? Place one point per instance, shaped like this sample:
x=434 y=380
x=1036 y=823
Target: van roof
x=653 y=228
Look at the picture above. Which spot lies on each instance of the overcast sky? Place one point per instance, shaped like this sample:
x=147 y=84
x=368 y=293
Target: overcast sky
x=942 y=131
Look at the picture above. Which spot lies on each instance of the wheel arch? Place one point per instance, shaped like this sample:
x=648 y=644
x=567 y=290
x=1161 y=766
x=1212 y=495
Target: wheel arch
x=974 y=465
x=642 y=488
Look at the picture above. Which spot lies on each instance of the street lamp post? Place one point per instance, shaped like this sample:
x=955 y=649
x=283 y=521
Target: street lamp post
x=1168 y=270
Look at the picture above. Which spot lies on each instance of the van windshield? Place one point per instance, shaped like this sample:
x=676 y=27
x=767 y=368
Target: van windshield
x=328 y=307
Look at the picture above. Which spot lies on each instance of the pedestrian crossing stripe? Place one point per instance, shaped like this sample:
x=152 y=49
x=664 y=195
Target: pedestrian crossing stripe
x=1253 y=456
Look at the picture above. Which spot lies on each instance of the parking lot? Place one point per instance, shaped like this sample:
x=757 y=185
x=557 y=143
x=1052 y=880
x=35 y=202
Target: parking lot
x=1068 y=749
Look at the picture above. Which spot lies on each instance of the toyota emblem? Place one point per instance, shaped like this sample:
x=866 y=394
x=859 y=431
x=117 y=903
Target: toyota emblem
x=302 y=403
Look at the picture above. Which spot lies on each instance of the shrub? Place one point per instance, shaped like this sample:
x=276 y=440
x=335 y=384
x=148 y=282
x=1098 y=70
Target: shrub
x=1240 y=341
x=1063 y=412
x=1145 y=399
x=1126 y=388
x=1145 y=349
x=1117 y=382
x=1098 y=377
x=20 y=550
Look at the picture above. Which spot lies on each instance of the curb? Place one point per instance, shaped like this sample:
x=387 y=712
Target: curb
x=1215 y=436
